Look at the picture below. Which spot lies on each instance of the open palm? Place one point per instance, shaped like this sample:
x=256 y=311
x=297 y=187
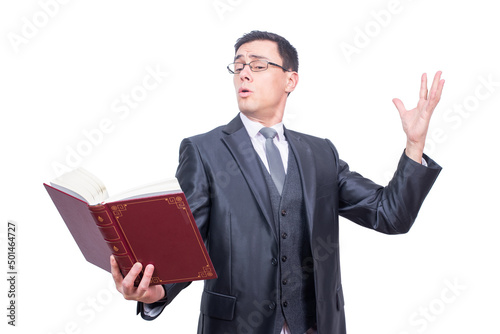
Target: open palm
x=416 y=121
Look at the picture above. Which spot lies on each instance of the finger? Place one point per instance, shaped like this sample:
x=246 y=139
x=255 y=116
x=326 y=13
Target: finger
x=400 y=106
x=115 y=272
x=437 y=89
x=440 y=88
x=436 y=80
x=128 y=282
x=146 y=279
x=423 y=87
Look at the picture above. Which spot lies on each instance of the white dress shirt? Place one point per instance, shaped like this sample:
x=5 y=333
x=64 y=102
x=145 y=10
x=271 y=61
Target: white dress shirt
x=259 y=141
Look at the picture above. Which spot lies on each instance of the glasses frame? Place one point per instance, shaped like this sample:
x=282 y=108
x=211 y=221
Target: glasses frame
x=251 y=68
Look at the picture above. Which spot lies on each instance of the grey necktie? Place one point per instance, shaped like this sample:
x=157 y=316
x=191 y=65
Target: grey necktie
x=273 y=156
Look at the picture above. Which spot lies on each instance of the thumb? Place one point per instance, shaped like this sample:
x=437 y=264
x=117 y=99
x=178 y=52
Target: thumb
x=399 y=105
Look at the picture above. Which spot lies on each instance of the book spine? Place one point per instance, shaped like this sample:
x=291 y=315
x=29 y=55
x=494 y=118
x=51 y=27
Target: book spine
x=114 y=237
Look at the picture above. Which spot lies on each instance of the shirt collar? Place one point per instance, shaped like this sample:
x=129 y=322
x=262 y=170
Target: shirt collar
x=253 y=128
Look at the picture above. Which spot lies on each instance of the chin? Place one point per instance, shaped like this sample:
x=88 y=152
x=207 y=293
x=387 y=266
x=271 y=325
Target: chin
x=246 y=108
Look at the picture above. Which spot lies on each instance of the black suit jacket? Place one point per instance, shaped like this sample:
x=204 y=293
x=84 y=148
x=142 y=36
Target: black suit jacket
x=221 y=175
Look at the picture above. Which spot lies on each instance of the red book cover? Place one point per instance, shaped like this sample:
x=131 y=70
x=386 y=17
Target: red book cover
x=158 y=230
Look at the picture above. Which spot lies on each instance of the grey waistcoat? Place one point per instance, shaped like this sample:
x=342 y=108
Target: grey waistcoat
x=296 y=291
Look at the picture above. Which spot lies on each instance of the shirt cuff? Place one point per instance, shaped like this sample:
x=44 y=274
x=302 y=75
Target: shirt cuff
x=152 y=310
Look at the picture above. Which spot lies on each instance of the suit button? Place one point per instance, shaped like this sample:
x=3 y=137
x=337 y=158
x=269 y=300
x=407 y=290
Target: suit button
x=284 y=235
x=274 y=261
x=283 y=258
x=285 y=304
x=272 y=306
x=284 y=282
x=283 y=213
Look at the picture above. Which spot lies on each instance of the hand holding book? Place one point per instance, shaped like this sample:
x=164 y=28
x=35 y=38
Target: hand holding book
x=144 y=292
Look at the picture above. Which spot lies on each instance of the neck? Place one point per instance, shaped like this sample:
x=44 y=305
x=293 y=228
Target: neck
x=266 y=119
x=268 y=122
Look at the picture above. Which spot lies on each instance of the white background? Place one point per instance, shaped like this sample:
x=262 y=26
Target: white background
x=64 y=70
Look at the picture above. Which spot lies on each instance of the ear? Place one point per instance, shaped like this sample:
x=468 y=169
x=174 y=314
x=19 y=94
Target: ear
x=292 y=81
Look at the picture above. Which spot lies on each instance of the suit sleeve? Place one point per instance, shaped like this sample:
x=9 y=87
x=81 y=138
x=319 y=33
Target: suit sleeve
x=391 y=209
x=194 y=183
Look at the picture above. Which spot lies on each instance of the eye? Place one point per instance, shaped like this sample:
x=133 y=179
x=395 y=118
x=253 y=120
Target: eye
x=238 y=66
x=258 y=65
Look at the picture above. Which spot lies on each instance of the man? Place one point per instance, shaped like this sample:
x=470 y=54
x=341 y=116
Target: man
x=273 y=239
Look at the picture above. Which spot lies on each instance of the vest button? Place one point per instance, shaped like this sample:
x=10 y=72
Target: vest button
x=284 y=235
x=285 y=304
x=283 y=213
x=283 y=258
x=284 y=282
x=274 y=261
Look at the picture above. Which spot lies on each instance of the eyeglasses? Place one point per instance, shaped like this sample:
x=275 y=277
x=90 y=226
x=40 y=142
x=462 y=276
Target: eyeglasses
x=255 y=66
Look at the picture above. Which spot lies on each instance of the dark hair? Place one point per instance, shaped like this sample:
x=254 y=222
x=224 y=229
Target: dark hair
x=287 y=52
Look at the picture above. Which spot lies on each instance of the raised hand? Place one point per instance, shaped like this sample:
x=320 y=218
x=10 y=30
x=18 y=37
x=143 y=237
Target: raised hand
x=416 y=121
x=125 y=285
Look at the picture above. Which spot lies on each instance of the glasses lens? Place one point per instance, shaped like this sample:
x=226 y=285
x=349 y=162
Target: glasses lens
x=258 y=65
x=236 y=67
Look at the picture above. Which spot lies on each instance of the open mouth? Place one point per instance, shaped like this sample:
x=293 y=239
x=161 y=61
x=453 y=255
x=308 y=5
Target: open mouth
x=244 y=92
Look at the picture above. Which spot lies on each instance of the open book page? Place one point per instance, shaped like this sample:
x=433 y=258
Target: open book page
x=83 y=185
x=102 y=193
x=167 y=186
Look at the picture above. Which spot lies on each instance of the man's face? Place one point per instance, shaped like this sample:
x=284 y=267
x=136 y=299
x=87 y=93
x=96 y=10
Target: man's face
x=261 y=95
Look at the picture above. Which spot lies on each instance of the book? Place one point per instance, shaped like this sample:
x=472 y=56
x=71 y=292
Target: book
x=151 y=224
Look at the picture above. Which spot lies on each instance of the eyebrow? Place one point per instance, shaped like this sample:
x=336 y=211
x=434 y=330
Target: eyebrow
x=251 y=56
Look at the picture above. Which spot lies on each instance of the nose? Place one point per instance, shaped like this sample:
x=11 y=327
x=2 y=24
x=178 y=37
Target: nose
x=246 y=73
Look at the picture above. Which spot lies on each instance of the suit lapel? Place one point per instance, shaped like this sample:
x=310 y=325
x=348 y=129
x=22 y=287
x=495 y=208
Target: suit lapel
x=239 y=144
x=304 y=157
